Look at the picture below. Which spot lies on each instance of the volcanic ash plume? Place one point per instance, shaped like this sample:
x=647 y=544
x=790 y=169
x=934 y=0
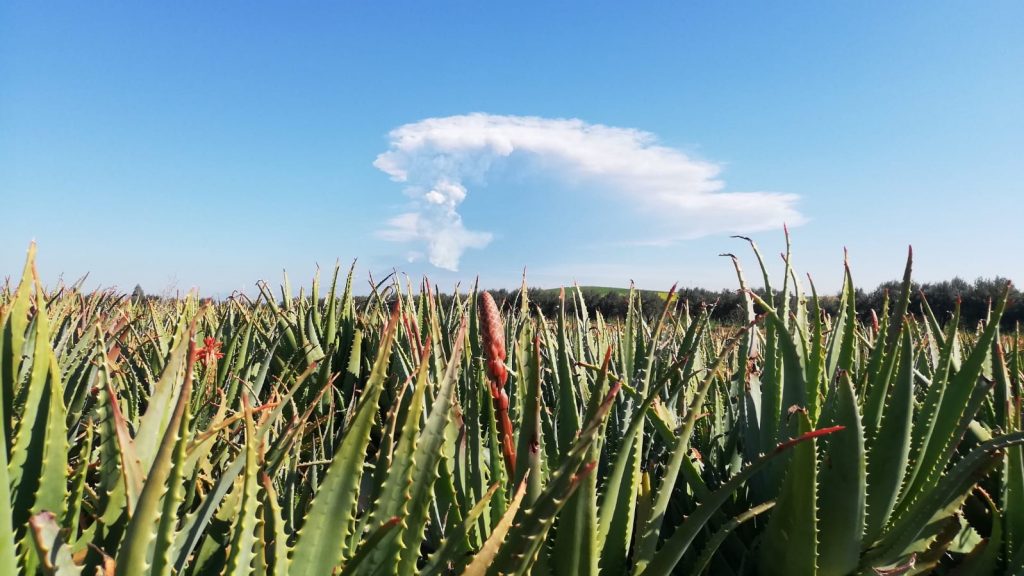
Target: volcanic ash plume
x=679 y=197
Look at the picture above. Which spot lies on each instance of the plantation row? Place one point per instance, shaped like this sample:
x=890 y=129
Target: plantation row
x=407 y=434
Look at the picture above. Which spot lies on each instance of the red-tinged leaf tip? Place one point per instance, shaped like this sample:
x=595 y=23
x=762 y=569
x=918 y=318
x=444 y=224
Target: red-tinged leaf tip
x=613 y=391
x=393 y=521
x=807 y=436
x=584 y=470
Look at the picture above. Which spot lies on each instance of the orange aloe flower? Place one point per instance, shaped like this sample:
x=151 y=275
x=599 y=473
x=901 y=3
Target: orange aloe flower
x=210 y=351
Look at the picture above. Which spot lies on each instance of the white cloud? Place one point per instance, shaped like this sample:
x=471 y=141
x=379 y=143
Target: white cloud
x=434 y=157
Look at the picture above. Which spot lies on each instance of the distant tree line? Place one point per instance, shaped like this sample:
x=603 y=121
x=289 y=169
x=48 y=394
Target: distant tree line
x=727 y=306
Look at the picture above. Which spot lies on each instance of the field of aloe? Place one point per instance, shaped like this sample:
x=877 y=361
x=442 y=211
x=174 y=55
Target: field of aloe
x=303 y=434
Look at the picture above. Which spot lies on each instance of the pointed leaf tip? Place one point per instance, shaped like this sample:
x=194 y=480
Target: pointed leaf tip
x=807 y=436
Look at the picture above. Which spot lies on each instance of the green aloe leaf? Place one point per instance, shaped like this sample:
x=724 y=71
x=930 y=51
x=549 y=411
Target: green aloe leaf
x=135 y=554
x=934 y=506
x=673 y=549
x=842 y=486
x=242 y=554
x=716 y=540
x=427 y=459
x=276 y=551
x=888 y=454
x=39 y=455
x=962 y=397
x=649 y=533
x=790 y=541
x=372 y=543
x=485 y=556
x=397 y=473
x=576 y=548
x=320 y=545
x=454 y=545
x=527 y=535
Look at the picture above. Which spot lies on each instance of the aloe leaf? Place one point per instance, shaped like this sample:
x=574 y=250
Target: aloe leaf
x=485 y=556
x=954 y=411
x=134 y=556
x=452 y=547
x=73 y=513
x=842 y=487
x=951 y=488
x=113 y=484
x=928 y=412
x=750 y=416
x=892 y=337
x=887 y=456
x=568 y=385
x=789 y=543
x=52 y=493
x=883 y=359
x=984 y=559
x=1013 y=499
x=613 y=509
x=153 y=424
x=530 y=448
x=276 y=551
x=39 y=455
x=815 y=354
x=195 y=524
x=243 y=538
x=576 y=548
x=525 y=539
x=843 y=339
x=647 y=539
x=397 y=475
x=372 y=543
x=673 y=549
x=172 y=500
x=54 y=553
x=15 y=316
x=936 y=338
x=426 y=460
x=796 y=390
x=619 y=500
x=37 y=477
x=723 y=532
x=320 y=544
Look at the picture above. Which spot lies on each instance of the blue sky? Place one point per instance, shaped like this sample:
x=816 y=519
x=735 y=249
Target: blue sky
x=215 y=144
